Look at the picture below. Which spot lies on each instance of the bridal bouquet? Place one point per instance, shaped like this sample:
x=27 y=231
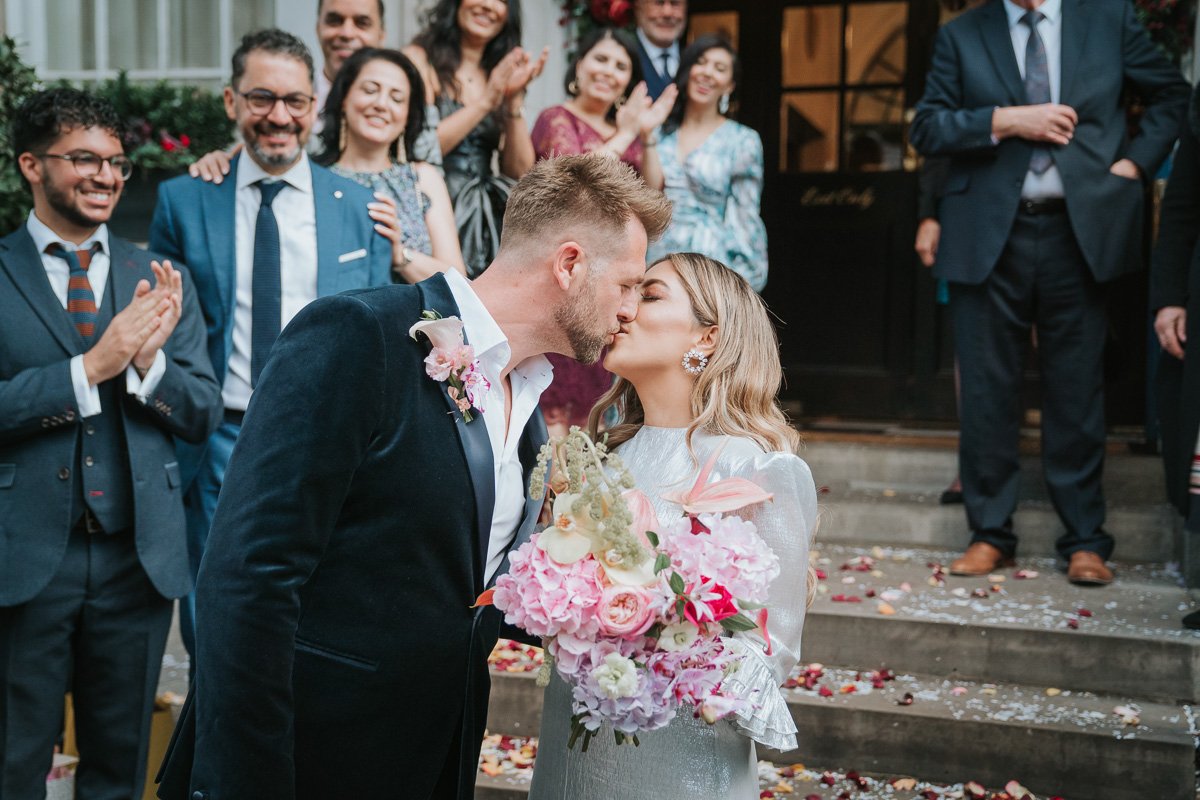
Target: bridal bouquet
x=632 y=612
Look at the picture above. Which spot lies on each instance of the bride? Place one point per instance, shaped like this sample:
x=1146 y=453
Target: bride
x=699 y=369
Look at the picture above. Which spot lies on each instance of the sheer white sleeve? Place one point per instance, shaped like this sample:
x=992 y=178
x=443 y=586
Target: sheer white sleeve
x=786 y=524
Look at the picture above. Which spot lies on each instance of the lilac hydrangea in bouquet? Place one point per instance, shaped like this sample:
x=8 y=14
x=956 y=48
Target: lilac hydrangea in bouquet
x=633 y=611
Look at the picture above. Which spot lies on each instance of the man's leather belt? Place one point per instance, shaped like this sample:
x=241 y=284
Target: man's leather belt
x=1047 y=205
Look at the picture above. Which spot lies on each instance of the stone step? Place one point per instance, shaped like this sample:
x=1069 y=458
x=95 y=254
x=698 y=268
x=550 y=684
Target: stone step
x=1128 y=479
x=1020 y=631
x=861 y=511
x=786 y=779
x=1071 y=744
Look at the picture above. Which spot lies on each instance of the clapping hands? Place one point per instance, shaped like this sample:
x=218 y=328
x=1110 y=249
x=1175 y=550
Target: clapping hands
x=512 y=76
x=138 y=331
x=640 y=116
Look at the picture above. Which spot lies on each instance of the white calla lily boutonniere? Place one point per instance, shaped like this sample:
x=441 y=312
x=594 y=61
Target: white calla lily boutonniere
x=452 y=361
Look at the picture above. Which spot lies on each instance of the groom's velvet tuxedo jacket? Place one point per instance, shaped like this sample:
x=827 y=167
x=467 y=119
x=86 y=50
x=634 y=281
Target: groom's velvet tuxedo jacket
x=338 y=654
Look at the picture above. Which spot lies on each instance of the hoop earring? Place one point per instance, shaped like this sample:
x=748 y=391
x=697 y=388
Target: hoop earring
x=573 y=88
x=694 y=362
x=723 y=104
x=401 y=153
x=342 y=137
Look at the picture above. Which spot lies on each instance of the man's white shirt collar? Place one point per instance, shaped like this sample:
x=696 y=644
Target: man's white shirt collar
x=655 y=52
x=299 y=176
x=1051 y=9
x=43 y=236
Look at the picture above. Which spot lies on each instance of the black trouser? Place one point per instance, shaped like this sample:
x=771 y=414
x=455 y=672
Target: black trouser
x=97 y=630
x=1041 y=279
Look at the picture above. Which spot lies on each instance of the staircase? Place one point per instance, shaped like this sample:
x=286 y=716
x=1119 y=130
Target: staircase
x=911 y=675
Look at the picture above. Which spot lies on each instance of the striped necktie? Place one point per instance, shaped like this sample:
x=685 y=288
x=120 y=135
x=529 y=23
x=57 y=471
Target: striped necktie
x=81 y=301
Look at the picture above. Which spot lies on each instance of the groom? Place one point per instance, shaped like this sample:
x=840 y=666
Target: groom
x=361 y=514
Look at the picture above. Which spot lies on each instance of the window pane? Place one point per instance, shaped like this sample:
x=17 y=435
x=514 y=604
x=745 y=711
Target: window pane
x=875 y=42
x=193 y=40
x=874 y=130
x=70 y=34
x=132 y=34
x=809 y=133
x=812 y=45
x=250 y=15
x=724 y=23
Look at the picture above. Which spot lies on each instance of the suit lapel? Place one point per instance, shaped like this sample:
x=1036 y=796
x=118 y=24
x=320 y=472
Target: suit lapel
x=122 y=273
x=328 y=205
x=219 y=202
x=993 y=29
x=472 y=436
x=1075 y=26
x=24 y=264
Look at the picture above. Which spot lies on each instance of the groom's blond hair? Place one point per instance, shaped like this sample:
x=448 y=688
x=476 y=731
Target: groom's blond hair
x=581 y=195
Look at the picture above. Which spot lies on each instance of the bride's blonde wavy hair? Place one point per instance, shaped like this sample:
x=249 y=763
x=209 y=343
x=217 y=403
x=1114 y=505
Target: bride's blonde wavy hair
x=736 y=394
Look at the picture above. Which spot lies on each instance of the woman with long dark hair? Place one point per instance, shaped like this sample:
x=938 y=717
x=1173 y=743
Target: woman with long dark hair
x=475 y=71
x=611 y=114
x=713 y=166
x=375 y=111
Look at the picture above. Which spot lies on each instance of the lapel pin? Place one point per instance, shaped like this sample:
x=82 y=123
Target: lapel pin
x=338 y=194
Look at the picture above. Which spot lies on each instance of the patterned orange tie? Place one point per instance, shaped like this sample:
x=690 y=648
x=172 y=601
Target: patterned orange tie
x=81 y=301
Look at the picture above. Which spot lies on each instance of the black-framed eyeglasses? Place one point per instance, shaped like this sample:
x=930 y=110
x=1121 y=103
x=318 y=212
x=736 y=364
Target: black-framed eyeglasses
x=88 y=165
x=262 y=102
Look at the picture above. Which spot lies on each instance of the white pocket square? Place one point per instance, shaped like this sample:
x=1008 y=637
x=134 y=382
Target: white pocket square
x=352 y=256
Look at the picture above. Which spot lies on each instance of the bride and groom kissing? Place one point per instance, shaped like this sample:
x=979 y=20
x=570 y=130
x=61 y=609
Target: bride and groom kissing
x=367 y=506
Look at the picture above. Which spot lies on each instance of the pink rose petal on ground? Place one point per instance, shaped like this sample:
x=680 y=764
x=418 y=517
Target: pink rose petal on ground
x=1018 y=791
x=958 y=691
x=1025 y=574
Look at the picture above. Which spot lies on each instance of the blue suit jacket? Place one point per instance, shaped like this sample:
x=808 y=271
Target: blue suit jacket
x=194 y=223
x=40 y=424
x=355 y=514
x=975 y=70
x=656 y=82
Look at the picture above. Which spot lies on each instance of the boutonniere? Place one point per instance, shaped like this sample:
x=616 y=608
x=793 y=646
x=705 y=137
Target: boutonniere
x=452 y=361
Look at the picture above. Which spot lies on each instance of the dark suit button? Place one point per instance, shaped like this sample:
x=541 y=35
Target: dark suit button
x=64 y=473
x=198 y=795
x=89 y=462
x=89 y=430
x=70 y=415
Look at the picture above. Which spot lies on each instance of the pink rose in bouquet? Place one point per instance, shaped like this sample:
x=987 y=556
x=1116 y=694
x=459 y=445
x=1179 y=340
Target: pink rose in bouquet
x=626 y=611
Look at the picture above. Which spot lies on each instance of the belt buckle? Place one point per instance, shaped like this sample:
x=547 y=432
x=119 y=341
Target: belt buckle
x=90 y=523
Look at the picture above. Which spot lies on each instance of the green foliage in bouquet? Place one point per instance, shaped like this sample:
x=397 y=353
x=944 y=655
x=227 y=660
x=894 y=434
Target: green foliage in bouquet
x=17 y=82
x=167 y=126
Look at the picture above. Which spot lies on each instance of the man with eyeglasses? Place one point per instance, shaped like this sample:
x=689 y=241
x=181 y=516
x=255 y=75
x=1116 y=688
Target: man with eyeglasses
x=102 y=364
x=280 y=234
x=660 y=24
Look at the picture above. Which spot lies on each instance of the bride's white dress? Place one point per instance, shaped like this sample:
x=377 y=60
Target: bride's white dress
x=689 y=758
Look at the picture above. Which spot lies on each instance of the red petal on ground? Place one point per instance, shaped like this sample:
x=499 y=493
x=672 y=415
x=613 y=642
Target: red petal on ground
x=907 y=700
x=870 y=592
x=1083 y=612
x=825 y=691
x=1073 y=624
x=828 y=779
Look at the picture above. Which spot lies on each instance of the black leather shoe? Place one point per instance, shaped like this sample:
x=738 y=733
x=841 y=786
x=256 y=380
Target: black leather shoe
x=1192 y=621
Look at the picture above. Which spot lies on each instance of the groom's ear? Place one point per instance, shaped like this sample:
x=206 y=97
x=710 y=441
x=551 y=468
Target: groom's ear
x=568 y=264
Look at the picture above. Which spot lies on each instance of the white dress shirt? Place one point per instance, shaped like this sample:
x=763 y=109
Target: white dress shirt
x=295 y=212
x=1049 y=183
x=529 y=379
x=656 y=53
x=58 y=272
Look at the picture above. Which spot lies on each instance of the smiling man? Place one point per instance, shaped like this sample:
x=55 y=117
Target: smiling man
x=261 y=246
x=344 y=26
x=98 y=371
x=660 y=23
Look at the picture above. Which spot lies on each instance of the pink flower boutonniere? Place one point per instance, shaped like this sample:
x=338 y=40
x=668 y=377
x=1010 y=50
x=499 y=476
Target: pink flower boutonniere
x=452 y=361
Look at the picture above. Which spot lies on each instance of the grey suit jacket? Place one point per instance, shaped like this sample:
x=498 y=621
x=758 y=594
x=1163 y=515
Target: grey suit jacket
x=974 y=71
x=40 y=422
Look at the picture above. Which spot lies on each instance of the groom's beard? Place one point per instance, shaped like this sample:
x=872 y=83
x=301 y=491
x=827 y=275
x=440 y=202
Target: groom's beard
x=583 y=327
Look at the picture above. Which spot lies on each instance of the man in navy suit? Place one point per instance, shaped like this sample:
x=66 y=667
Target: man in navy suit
x=660 y=23
x=363 y=513
x=280 y=234
x=1042 y=206
x=99 y=370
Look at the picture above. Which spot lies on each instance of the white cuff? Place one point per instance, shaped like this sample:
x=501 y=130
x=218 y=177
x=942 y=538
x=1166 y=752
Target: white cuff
x=142 y=388
x=87 y=397
x=768 y=721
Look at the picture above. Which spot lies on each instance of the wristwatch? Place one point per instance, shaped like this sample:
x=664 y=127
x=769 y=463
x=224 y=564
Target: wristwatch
x=407 y=255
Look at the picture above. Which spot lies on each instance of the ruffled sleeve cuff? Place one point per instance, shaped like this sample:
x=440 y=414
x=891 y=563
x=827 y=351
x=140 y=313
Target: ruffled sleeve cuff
x=768 y=721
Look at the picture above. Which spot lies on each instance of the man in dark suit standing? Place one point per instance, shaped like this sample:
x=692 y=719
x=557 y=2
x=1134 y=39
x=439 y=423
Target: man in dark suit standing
x=1042 y=206
x=660 y=23
x=279 y=234
x=98 y=371
x=363 y=511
